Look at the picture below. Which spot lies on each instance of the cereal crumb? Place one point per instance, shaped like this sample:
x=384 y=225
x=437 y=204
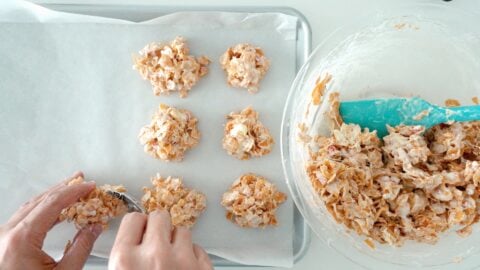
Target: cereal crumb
x=319 y=89
x=184 y=205
x=400 y=25
x=169 y=67
x=252 y=201
x=245 y=66
x=303 y=133
x=369 y=243
x=421 y=115
x=457 y=259
x=475 y=100
x=170 y=134
x=97 y=207
x=452 y=102
x=245 y=136
x=333 y=112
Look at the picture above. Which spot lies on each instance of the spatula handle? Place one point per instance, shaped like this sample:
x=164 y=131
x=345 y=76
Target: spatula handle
x=463 y=113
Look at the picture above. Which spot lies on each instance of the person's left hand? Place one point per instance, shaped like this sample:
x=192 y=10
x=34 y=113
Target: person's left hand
x=21 y=238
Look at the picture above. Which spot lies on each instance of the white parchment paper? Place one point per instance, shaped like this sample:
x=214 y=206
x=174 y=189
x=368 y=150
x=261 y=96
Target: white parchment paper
x=69 y=100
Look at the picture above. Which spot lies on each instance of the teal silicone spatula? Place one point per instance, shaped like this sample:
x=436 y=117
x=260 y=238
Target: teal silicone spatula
x=375 y=114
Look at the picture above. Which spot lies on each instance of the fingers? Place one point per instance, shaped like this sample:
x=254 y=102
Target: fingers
x=131 y=230
x=202 y=257
x=82 y=245
x=26 y=208
x=182 y=238
x=182 y=244
x=159 y=227
x=42 y=218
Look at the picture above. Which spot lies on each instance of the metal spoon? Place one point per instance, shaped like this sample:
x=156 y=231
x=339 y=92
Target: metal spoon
x=132 y=204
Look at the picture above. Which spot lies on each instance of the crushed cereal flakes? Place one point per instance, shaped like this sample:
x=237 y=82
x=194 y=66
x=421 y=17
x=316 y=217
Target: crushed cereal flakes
x=413 y=185
x=98 y=207
x=252 y=201
x=400 y=26
x=169 y=67
x=421 y=115
x=303 y=133
x=333 y=112
x=184 y=205
x=369 y=242
x=245 y=136
x=475 y=100
x=452 y=102
x=319 y=89
x=457 y=259
x=170 y=134
x=245 y=66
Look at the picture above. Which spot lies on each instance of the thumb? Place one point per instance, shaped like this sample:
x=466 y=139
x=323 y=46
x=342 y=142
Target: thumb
x=76 y=256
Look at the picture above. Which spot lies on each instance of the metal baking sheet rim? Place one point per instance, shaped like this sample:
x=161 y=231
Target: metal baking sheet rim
x=301 y=241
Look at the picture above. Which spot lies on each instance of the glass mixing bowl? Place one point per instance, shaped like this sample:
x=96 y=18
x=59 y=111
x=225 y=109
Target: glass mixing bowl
x=431 y=51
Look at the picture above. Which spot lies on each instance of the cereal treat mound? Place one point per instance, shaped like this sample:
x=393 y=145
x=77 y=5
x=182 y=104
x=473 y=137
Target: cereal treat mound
x=98 y=207
x=185 y=205
x=245 y=65
x=251 y=201
x=171 y=132
x=169 y=67
x=245 y=136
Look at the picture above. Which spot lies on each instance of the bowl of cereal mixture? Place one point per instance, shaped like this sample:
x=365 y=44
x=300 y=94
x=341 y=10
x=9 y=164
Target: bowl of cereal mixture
x=411 y=198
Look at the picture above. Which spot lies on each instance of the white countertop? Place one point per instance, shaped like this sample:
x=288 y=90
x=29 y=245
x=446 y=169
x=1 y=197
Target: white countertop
x=324 y=16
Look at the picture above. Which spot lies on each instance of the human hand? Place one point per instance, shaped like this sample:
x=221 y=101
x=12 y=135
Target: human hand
x=147 y=242
x=21 y=238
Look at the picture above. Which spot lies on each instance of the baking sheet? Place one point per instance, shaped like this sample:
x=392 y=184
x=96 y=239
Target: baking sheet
x=71 y=101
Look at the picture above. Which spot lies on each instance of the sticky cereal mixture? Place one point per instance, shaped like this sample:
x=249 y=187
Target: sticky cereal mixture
x=412 y=186
x=185 y=205
x=169 y=67
x=319 y=89
x=333 y=112
x=170 y=134
x=252 y=201
x=245 y=136
x=98 y=207
x=245 y=66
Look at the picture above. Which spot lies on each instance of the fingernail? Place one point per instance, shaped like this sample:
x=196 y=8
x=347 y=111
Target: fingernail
x=90 y=183
x=77 y=173
x=96 y=229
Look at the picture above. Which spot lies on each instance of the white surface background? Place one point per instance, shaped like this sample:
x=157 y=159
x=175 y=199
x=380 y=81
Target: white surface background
x=324 y=16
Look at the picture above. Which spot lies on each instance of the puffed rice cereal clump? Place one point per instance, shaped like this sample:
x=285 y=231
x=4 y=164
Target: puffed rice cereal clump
x=185 y=205
x=245 y=66
x=170 y=134
x=169 y=67
x=245 y=136
x=98 y=207
x=413 y=185
x=252 y=201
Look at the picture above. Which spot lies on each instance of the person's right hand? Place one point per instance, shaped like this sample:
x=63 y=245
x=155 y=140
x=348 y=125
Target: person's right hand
x=147 y=242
